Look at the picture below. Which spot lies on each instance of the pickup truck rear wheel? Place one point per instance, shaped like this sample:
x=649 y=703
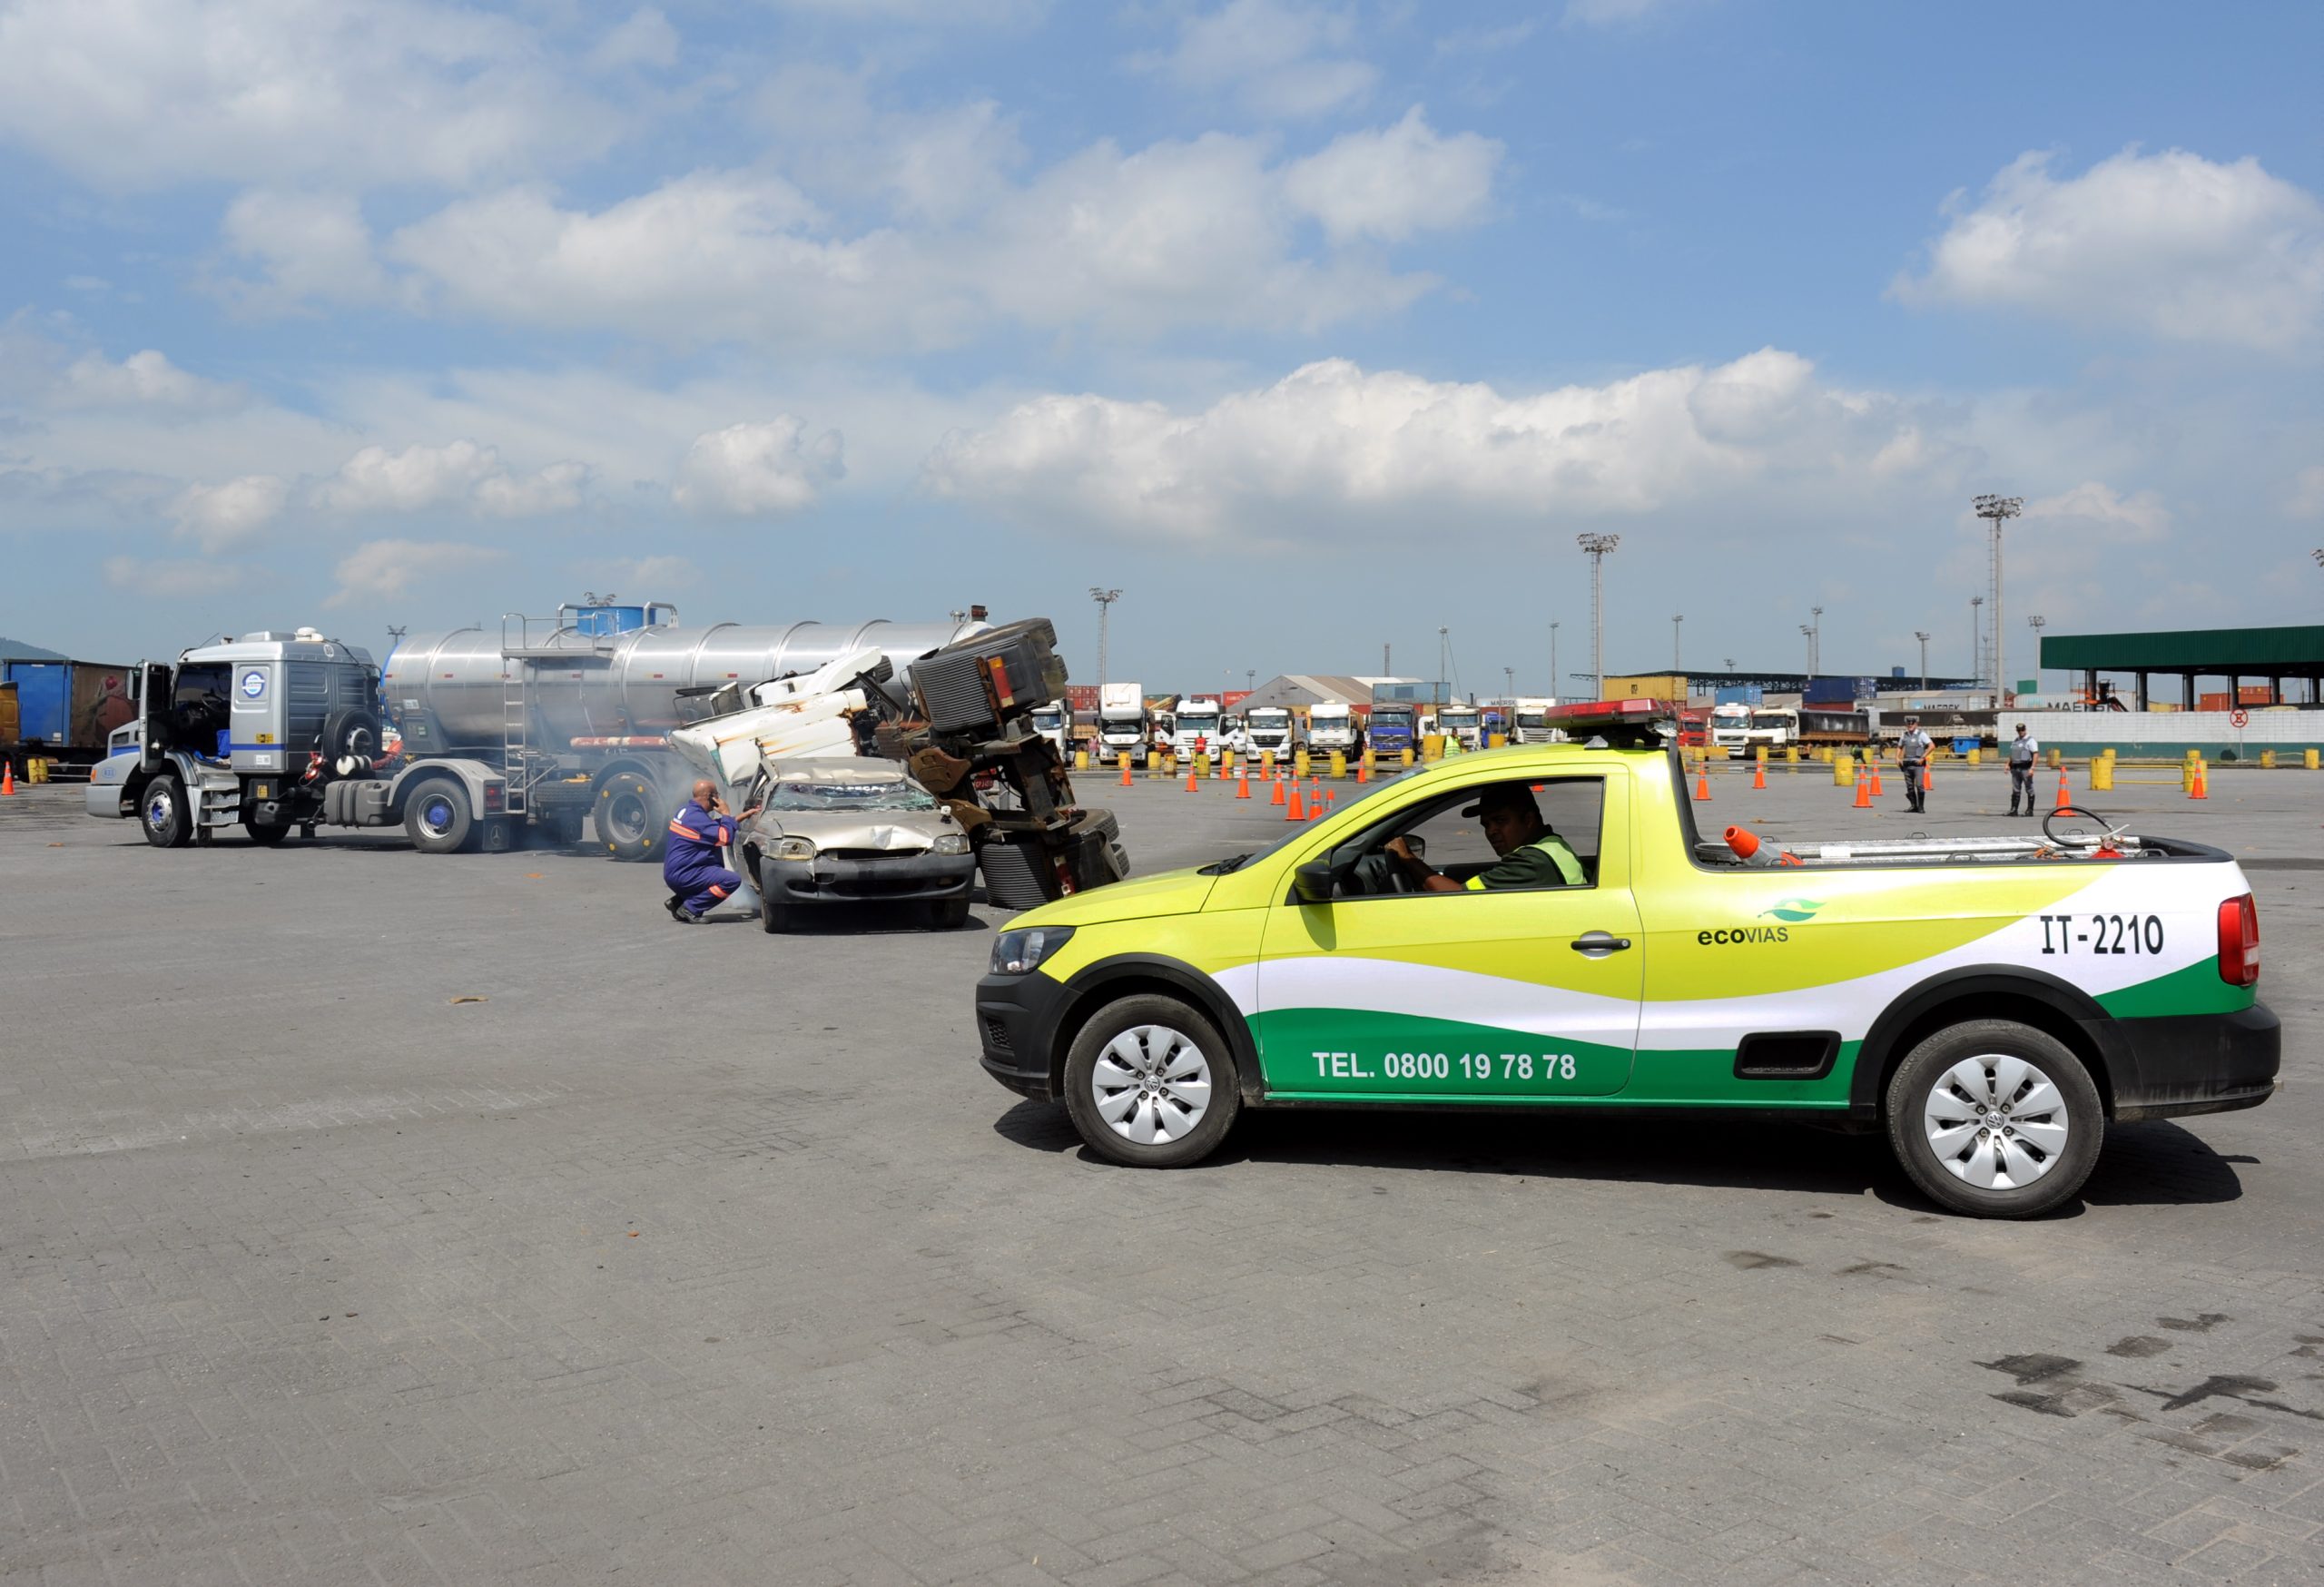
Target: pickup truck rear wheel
x=1151 y=1083
x=1995 y=1120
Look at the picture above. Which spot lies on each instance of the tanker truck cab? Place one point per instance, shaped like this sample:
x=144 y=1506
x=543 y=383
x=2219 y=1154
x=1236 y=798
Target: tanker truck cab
x=1990 y=1003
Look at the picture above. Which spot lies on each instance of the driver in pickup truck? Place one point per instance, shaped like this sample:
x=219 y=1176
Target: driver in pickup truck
x=1531 y=855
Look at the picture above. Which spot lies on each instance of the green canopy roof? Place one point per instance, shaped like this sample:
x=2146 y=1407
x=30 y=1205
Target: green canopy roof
x=2291 y=651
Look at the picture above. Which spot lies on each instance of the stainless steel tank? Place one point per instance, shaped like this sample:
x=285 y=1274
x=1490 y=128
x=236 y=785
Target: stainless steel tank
x=583 y=685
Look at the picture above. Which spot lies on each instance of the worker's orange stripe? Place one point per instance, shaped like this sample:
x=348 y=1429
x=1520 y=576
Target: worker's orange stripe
x=718 y=892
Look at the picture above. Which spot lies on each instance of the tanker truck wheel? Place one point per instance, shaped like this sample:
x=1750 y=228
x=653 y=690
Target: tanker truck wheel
x=162 y=811
x=631 y=820
x=436 y=816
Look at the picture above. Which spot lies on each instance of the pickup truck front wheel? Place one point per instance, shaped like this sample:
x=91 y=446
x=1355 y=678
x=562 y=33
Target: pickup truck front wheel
x=1150 y=1082
x=1995 y=1120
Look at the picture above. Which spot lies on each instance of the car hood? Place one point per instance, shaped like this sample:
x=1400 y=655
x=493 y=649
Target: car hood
x=903 y=831
x=1173 y=893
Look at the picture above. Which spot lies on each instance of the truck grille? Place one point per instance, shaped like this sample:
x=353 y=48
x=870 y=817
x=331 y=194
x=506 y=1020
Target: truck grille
x=996 y=1035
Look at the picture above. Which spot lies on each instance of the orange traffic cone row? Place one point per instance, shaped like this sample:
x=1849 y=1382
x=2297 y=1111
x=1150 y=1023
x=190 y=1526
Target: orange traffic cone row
x=1702 y=784
x=2065 y=796
x=1759 y=774
x=1278 y=790
x=1864 y=793
x=1243 y=783
x=1297 y=809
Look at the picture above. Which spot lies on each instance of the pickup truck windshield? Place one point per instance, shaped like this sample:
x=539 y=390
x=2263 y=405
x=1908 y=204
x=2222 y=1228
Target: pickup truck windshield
x=896 y=795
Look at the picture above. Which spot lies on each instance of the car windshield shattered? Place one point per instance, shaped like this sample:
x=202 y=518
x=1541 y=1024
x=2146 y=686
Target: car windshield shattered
x=794 y=796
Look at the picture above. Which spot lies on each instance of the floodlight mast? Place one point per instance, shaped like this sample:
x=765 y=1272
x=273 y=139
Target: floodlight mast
x=1595 y=547
x=1105 y=599
x=1922 y=634
x=1997 y=511
x=1677 y=667
x=1976 y=640
x=1556 y=683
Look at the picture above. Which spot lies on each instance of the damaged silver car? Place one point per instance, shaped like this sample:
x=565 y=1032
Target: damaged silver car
x=850 y=830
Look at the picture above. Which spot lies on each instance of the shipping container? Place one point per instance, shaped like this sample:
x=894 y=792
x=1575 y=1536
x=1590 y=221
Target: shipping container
x=66 y=708
x=1657 y=685
x=1739 y=695
x=10 y=718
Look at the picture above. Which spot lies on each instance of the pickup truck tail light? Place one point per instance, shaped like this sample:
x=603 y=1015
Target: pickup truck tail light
x=2239 y=941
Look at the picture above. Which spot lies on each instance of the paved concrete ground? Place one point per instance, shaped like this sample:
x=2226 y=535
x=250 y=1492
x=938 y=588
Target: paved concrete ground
x=693 y=1255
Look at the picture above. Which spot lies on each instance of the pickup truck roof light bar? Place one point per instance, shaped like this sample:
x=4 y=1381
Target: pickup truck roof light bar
x=1632 y=723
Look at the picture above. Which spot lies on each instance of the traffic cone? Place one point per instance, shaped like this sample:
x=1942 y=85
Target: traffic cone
x=1928 y=778
x=7 y=780
x=1125 y=771
x=1875 y=781
x=1759 y=774
x=1702 y=784
x=1362 y=774
x=1279 y=792
x=2201 y=788
x=1190 y=778
x=1297 y=809
x=1864 y=793
x=1243 y=783
x=2065 y=796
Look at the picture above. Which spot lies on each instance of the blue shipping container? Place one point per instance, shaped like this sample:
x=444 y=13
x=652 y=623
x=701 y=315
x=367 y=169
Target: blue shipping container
x=43 y=689
x=1738 y=695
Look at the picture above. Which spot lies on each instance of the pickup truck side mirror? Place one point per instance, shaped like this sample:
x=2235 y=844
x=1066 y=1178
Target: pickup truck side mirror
x=1315 y=881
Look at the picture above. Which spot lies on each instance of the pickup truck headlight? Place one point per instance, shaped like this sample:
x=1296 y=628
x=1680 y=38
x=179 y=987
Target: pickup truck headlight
x=794 y=849
x=951 y=842
x=1022 y=952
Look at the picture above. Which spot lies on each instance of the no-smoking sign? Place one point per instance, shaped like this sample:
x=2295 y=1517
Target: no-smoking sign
x=2239 y=717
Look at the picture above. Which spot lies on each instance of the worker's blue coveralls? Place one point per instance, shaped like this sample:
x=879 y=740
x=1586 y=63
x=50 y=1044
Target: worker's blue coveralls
x=690 y=866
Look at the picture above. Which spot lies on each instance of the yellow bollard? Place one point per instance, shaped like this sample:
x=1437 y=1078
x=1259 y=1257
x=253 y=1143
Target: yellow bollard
x=1843 y=771
x=1339 y=763
x=1976 y=755
x=2308 y=758
x=2101 y=776
x=1406 y=757
x=1365 y=762
x=1201 y=762
x=1432 y=746
x=1267 y=763
x=1791 y=754
x=1080 y=760
x=1299 y=760
x=1497 y=741
x=2267 y=760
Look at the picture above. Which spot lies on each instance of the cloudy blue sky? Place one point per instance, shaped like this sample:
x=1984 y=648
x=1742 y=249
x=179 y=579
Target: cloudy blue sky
x=1312 y=326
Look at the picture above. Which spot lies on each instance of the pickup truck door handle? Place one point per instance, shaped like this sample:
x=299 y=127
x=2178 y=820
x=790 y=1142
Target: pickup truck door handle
x=1598 y=944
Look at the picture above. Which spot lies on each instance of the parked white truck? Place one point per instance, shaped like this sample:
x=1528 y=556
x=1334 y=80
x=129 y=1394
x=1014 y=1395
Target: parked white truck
x=1123 y=726
x=1199 y=726
x=1267 y=731
x=1331 y=725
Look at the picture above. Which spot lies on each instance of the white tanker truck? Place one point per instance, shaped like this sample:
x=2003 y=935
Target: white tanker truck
x=557 y=722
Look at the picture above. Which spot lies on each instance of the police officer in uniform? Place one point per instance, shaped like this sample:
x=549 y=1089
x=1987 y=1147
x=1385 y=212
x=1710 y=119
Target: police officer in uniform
x=2022 y=752
x=1912 y=760
x=1531 y=855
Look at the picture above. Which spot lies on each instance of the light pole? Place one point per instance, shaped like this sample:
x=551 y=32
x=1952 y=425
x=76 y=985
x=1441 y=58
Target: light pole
x=1998 y=510
x=1804 y=628
x=1677 y=667
x=1508 y=686
x=1977 y=642
x=1556 y=682
x=1595 y=547
x=1105 y=599
x=1922 y=634
x=1816 y=642
x=1444 y=670
x=2037 y=625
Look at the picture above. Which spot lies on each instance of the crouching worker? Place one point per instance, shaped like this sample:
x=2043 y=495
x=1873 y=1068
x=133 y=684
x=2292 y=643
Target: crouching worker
x=690 y=867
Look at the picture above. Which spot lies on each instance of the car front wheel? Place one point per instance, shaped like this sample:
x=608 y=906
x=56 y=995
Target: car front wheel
x=1995 y=1120
x=1151 y=1083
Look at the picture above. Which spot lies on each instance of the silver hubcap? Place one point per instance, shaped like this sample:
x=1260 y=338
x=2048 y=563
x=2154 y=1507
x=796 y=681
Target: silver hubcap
x=158 y=811
x=1151 y=1084
x=1995 y=1122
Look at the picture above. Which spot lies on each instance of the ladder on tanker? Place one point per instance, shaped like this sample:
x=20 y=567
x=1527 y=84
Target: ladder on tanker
x=515 y=740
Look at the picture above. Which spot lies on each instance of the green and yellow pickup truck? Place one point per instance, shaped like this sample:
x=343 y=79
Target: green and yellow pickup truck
x=1991 y=1004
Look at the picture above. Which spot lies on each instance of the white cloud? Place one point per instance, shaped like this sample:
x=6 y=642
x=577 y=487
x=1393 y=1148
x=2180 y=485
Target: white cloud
x=1279 y=59
x=1332 y=444
x=142 y=380
x=2171 y=244
x=2091 y=509
x=1394 y=181
x=646 y=39
x=172 y=580
x=460 y=475
x=757 y=470
x=137 y=93
x=1198 y=233
x=384 y=570
x=646 y=577
x=2306 y=498
x=218 y=516
x=312 y=246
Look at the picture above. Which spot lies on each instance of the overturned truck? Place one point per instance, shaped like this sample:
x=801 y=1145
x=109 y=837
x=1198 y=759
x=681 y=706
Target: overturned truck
x=962 y=723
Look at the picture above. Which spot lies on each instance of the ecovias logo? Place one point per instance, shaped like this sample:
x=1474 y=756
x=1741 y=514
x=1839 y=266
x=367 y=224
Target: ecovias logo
x=1794 y=909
